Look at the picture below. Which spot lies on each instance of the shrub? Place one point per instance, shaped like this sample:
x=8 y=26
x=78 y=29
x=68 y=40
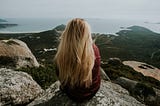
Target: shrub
x=44 y=76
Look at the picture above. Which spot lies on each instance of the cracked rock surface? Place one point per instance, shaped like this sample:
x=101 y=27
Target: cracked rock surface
x=17 y=88
x=109 y=94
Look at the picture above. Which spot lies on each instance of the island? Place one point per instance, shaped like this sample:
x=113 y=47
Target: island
x=2 y=20
x=5 y=24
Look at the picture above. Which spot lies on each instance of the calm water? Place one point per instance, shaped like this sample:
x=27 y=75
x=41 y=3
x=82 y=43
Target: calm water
x=97 y=25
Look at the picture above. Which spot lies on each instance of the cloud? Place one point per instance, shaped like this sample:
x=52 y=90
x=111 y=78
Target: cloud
x=80 y=8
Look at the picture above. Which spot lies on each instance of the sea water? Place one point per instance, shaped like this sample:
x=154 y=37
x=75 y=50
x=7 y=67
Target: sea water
x=106 y=26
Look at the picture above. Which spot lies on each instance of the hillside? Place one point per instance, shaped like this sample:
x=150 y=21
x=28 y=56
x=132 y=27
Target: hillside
x=137 y=43
x=41 y=44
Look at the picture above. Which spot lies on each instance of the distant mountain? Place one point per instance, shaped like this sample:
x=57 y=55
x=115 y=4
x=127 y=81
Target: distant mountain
x=137 y=43
x=2 y=20
x=60 y=27
x=140 y=29
x=137 y=30
x=6 y=24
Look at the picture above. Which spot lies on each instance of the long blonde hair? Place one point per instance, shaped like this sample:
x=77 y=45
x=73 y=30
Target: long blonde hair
x=75 y=55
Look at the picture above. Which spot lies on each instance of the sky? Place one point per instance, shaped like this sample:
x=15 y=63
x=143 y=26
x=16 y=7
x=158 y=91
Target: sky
x=121 y=9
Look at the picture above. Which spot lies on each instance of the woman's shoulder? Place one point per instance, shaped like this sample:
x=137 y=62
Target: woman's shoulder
x=95 y=47
x=96 y=50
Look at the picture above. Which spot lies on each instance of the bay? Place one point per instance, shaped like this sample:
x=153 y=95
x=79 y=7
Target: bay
x=98 y=25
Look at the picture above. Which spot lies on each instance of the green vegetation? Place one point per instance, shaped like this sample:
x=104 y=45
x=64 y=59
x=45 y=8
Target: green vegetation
x=6 y=60
x=145 y=88
x=138 y=43
x=115 y=71
x=44 y=76
x=142 y=92
x=38 y=42
x=60 y=27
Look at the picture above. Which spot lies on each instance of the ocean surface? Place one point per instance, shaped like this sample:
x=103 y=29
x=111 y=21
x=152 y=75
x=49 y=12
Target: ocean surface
x=106 y=26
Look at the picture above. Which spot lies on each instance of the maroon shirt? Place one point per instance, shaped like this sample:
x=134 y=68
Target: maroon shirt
x=80 y=94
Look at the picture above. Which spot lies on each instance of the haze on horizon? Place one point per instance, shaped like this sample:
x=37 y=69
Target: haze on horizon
x=147 y=10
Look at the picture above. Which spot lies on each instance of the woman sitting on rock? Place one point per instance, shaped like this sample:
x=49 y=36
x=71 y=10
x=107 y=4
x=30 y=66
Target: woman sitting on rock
x=78 y=62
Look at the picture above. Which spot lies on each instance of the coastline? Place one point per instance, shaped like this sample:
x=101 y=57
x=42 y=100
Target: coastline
x=101 y=26
x=35 y=32
x=10 y=32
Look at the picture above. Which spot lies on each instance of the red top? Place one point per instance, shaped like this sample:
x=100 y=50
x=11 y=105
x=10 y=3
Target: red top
x=80 y=94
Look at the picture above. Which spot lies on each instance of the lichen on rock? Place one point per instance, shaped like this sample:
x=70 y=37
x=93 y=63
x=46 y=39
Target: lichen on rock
x=16 y=54
x=109 y=94
x=17 y=88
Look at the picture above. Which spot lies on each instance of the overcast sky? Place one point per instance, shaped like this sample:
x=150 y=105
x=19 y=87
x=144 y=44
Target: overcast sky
x=133 y=9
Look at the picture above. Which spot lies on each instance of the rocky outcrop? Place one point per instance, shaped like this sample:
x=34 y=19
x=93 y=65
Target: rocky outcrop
x=140 y=87
x=114 y=61
x=145 y=69
x=126 y=83
x=109 y=94
x=17 y=88
x=143 y=93
x=15 y=53
x=104 y=76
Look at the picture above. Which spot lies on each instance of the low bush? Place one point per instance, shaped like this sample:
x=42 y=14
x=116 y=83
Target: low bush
x=44 y=76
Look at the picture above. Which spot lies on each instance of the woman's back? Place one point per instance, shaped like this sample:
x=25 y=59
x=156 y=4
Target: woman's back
x=80 y=94
x=78 y=61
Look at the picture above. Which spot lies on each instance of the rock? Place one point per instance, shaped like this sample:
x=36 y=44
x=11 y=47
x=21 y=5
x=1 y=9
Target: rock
x=109 y=94
x=104 y=76
x=15 y=54
x=126 y=83
x=17 y=88
x=47 y=95
x=145 y=69
x=143 y=93
x=157 y=96
x=114 y=61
